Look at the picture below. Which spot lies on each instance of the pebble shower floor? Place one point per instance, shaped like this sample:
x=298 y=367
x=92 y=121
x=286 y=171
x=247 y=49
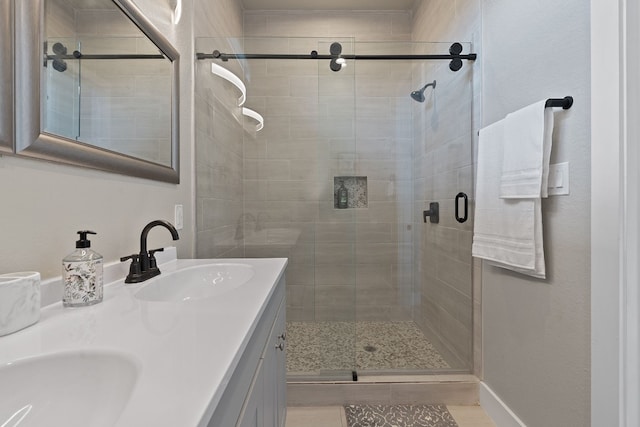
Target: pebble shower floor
x=330 y=346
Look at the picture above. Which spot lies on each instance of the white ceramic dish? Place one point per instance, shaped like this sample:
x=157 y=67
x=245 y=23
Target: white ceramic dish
x=19 y=301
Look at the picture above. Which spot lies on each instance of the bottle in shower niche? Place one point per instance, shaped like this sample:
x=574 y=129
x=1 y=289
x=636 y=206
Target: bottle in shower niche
x=82 y=274
x=343 y=196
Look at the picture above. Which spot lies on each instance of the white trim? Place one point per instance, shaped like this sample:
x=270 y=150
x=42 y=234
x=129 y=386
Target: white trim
x=606 y=211
x=630 y=301
x=497 y=410
x=615 y=235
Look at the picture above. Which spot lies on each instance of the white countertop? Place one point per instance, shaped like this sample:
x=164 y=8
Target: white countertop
x=187 y=351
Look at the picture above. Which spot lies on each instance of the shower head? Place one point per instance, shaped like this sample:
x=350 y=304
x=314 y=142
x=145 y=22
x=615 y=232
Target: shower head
x=418 y=95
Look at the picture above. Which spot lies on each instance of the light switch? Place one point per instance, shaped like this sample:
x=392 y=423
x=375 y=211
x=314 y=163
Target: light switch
x=559 y=179
x=178 y=217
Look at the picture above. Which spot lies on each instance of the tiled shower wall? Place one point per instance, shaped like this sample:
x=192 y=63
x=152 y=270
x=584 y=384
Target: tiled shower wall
x=124 y=104
x=444 y=165
x=218 y=153
x=349 y=263
x=61 y=113
x=345 y=263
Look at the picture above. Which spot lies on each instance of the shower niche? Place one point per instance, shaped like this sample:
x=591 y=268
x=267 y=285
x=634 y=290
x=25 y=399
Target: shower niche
x=356 y=191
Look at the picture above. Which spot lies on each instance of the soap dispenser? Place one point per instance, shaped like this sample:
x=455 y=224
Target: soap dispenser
x=82 y=274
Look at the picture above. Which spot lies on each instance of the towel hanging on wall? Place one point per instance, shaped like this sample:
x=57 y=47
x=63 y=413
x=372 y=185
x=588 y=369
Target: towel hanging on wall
x=507 y=232
x=512 y=175
x=527 y=151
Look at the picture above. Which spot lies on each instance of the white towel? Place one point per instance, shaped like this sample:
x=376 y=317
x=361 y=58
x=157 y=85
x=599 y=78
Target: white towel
x=527 y=150
x=507 y=232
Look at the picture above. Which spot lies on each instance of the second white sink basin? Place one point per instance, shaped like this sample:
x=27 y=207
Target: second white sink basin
x=195 y=283
x=81 y=388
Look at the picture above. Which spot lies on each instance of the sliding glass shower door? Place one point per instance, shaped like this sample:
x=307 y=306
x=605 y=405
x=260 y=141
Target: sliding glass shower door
x=351 y=154
x=291 y=168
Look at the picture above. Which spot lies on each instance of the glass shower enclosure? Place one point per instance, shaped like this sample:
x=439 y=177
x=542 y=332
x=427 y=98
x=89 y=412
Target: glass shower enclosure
x=373 y=286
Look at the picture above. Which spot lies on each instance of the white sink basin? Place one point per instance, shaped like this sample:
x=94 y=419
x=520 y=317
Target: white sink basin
x=81 y=388
x=195 y=283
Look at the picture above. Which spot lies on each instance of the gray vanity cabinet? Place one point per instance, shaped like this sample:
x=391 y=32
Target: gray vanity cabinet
x=256 y=393
x=253 y=412
x=274 y=365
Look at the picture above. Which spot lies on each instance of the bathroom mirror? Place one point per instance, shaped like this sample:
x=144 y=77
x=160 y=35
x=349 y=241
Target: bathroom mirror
x=96 y=86
x=6 y=78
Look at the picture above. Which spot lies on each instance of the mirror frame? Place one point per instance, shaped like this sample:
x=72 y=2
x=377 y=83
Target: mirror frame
x=32 y=142
x=6 y=77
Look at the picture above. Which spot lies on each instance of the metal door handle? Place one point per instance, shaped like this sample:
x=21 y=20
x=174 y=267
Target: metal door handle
x=433 y=213
x=466 y=207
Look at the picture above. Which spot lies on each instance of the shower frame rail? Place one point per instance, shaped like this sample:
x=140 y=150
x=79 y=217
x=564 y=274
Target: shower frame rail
x=78 y=55
x=455 y=56
x=227 y=56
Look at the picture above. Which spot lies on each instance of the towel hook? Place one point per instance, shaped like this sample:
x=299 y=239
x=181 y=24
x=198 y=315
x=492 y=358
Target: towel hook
x=565 y=102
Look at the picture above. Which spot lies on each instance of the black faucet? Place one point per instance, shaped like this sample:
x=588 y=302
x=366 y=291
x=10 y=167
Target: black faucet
x=144 y=265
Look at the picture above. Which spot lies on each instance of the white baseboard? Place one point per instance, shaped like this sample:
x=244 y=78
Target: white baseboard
x=499 y=412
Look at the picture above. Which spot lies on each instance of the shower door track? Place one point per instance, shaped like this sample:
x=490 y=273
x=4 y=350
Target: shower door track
x=337 y=58
x=227 y=56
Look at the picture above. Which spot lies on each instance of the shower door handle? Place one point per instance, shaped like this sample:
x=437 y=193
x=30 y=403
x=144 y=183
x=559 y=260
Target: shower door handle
x=433 y=213
x=463 y=196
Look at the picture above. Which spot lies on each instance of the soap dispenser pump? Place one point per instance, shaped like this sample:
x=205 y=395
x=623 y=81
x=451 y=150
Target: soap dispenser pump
x=82 y=274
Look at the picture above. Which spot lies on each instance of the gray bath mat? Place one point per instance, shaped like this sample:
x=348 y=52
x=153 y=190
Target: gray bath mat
x=399 y=416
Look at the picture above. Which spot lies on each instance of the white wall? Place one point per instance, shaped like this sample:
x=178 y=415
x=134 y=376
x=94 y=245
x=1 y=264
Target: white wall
x=44 y=204
x=537 y=332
